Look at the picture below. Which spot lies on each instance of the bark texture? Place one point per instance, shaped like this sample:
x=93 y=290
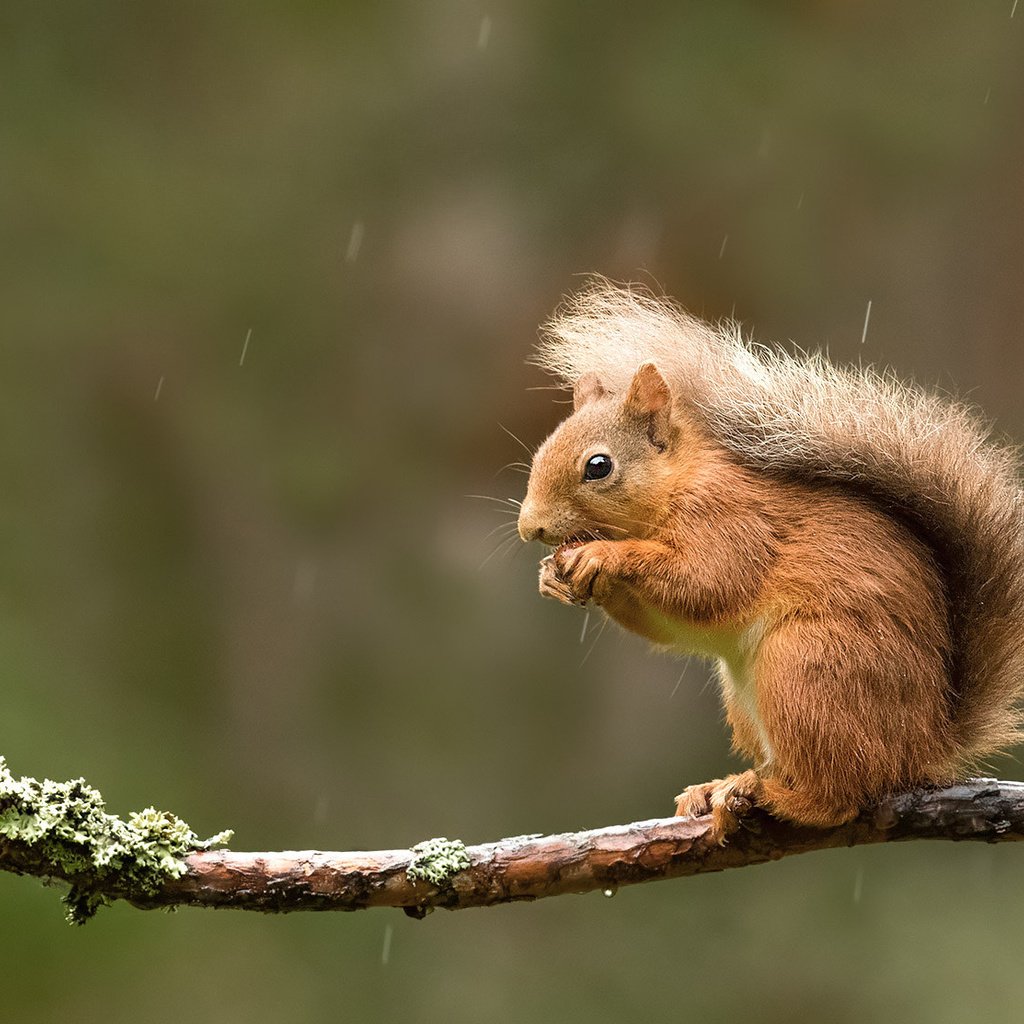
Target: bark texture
x=532 y=867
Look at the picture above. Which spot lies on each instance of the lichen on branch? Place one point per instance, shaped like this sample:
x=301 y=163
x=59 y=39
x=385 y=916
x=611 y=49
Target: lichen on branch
x=65 y=825
x=437 y=860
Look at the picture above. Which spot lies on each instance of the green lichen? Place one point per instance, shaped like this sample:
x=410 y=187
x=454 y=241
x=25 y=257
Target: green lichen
x=66 y=824
x=437 y=860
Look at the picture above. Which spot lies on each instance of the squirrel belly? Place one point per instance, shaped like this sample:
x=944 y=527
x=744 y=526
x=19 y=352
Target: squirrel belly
x=850 y=550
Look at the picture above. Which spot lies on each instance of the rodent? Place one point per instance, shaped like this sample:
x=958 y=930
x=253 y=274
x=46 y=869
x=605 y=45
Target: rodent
x=847 y=547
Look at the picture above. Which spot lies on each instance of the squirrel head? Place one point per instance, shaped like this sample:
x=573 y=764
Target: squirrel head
x=607 y=470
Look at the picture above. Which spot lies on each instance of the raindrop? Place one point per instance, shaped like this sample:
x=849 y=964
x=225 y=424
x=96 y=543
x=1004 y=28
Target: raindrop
x=867 y=317
x=485 y=32
x=355 y=242
x=245 y=346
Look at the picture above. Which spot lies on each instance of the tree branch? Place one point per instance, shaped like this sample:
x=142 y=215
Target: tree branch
x=532 y=867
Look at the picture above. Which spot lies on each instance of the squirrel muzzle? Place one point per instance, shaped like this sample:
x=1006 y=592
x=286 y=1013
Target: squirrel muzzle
x=530 y=525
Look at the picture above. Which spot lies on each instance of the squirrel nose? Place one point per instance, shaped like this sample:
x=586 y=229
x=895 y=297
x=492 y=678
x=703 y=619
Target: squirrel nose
x=529 y=526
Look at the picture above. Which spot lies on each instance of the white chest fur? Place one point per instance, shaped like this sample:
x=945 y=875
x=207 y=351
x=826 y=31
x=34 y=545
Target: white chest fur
x=735 y=651
x=739 y=684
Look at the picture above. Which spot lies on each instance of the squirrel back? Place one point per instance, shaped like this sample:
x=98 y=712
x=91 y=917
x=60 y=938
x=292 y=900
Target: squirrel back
x=924 y=460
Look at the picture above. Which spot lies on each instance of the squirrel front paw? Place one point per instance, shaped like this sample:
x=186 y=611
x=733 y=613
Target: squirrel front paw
x=585 y=569
x=552 y=584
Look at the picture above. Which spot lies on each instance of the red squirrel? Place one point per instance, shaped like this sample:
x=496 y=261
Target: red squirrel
x=848 y=548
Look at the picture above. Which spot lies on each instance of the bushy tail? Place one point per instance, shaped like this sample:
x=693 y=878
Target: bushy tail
x=925 y=459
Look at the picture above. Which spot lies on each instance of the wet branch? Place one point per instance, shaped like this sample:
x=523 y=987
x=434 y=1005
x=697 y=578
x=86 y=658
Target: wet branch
x=532 y=867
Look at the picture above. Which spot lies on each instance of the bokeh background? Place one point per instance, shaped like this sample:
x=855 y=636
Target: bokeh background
x=243 y=580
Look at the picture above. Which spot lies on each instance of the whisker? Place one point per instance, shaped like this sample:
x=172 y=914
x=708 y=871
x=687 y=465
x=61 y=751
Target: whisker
x=490 y=497
x=621 y=529
x=607 y=526
x=516 y=547
x=504 y=545
x=518 y=467
x=590 y=651
x=502 y=526
x=586 y=622
x=556 y=401
x=526 y=448
x=642 y=522
x=711 y=679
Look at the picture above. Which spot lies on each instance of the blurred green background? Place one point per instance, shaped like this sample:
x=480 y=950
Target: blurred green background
x=252 y=591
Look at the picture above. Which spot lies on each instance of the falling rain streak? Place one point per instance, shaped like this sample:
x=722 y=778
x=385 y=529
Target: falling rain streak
x=245 y=346
x=355 y=242
x=485 y=32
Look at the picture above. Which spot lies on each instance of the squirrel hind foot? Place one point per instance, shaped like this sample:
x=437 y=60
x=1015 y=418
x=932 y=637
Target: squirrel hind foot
x=726 y=800
x=730 y=799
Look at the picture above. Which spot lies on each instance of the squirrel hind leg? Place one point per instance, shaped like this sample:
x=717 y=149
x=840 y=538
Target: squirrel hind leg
x=804 y=807
x=728 y=800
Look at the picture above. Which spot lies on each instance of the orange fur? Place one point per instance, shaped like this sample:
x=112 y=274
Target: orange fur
x=850 y=665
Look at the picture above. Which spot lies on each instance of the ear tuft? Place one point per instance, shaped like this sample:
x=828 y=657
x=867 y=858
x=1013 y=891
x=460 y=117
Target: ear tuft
x=650 y=399
x=587 y=389
x=648 y=393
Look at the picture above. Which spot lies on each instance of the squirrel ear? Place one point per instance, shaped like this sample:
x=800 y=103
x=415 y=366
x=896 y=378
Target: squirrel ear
x=650 y=399
x=587 y=389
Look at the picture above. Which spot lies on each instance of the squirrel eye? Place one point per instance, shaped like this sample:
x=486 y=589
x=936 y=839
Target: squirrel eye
x=597 y=467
